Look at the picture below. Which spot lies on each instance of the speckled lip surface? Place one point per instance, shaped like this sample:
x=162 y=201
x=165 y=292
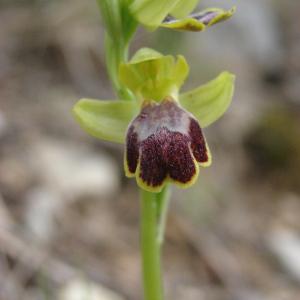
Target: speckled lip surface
x=205 y=17
x=164 y=141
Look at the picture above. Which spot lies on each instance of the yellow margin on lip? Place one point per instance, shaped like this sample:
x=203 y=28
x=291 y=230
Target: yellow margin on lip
x=142 y=184
x=126 y=168
x=209 y=161
x=192 y=180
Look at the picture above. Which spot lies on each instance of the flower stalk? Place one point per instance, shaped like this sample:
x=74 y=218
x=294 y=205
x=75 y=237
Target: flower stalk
x=150 y=247
x=120 y=28
x=163 y=200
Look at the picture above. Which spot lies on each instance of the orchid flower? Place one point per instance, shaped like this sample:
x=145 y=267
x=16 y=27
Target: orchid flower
x=176 y=14
x=161 y=128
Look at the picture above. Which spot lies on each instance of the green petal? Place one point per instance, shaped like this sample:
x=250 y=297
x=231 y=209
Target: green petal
x=210 y=101
x=106 y=120
x=150 y=75
x=199 y=21
x=152 y=12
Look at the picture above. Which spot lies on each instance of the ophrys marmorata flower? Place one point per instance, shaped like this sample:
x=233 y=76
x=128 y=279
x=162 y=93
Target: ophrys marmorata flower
x=161 y=129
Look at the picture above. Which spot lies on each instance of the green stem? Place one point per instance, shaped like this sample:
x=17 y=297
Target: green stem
x=116 y=53
x=120 y=28
x=163 y=199
x=150 y=247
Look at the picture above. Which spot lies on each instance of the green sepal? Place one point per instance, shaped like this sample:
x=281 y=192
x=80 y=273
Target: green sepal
x=150 y=75
x=145 y=54
x=210 y=101
x=183 y=8
x=199 y=21
x=151 y=13
x=106 y=120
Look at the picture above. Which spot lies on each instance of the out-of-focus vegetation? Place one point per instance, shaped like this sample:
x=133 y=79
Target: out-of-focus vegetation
x=273 y=146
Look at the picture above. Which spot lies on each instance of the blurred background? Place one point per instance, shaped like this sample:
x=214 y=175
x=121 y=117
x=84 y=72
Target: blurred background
x=69 y=219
